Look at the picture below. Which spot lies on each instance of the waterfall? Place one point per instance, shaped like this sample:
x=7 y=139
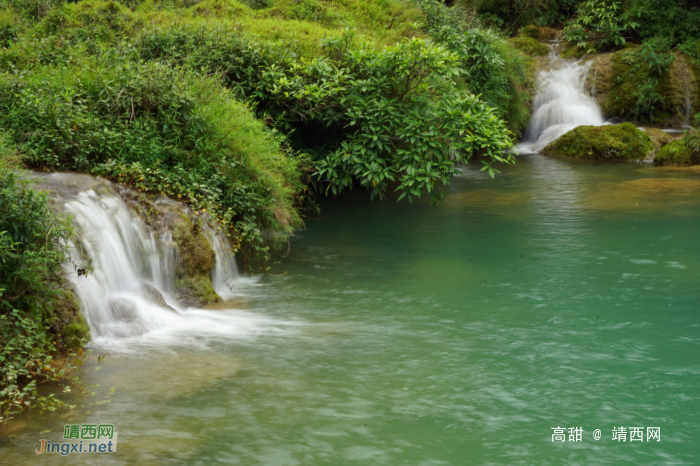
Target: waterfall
x=687 y=122
x=561 y=104
x=130 y=267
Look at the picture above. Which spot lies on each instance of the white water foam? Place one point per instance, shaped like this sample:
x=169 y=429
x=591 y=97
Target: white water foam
x=124 y=259
x=562 y=104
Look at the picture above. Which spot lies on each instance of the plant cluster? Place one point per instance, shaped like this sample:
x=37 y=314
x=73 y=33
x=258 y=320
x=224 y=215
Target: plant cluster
x=597 y=25
x=35 y=307
x=494 y=70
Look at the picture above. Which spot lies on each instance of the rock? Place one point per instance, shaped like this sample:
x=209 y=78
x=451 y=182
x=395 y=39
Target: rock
x=195 y=262
x=154 y=296
x=609 y=142
x=529 y=46
x=76 y=333
x=538 y=32
x=658 y=137
x=123 y=310
x=676 y=153
x=618 y=82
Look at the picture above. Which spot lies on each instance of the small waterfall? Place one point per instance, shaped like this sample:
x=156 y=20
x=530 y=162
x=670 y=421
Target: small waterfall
x=687 y=122
x=562 y=103
x=131 y=272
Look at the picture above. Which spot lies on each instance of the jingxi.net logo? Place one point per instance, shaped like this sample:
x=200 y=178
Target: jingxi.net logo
x=82 y=438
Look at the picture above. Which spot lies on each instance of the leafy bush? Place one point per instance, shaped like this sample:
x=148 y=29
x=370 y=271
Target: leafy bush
x=647 y=99
x=598 y=25
x=656 y=54
x=691 y=139
x=495 y=70
x=691 y=47
x=162 y=130
x=678 y=20
x=34 y=302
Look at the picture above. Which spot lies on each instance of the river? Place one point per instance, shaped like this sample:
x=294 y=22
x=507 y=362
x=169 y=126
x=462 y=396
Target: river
x=560 y=294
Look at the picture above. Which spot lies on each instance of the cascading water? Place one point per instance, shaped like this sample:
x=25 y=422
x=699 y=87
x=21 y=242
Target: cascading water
x=562 y=103
x=130 y=269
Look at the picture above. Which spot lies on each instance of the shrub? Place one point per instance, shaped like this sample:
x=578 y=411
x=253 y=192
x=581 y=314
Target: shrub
x=162 y=130
x=598 y=25
x=33 y=296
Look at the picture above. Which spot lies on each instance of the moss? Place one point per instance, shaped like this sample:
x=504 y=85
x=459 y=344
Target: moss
x=529 y=46
x=195 y=262
x=676 y=153
x=195 y=256
x=572 y=51
x=624 y=79
x=658 y=137
x=538 y=32
x=76 y=333
x=196 y=291
x=610 y=142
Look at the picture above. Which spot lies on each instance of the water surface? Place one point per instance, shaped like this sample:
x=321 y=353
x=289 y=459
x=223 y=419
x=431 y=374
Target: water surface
x=558 y=294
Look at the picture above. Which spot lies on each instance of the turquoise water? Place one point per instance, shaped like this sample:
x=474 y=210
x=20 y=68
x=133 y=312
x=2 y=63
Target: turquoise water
x=560 y=294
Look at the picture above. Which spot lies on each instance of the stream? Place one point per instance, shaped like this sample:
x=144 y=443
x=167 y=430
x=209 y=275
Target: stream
x=559 y=294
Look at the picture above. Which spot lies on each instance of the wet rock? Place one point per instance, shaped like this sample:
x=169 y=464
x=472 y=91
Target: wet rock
x=195 y=262
x=123 y=310
x=154 y=296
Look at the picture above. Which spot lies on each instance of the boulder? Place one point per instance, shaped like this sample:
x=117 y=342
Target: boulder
x=538 y=32
x=608 y=142
x=676 y=153
x=529 y=46
x=195 y=262
x=154 y=296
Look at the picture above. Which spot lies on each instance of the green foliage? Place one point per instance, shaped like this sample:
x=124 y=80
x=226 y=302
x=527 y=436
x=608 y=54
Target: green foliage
x=647 y=99
x=495 y=70
x=511 y=15
x=32 y=250
x=691 y=139
x=161 y=130
x=598 y=25
x=677 y=20
x=691 y=48
x=608 y=142
x=656 y=54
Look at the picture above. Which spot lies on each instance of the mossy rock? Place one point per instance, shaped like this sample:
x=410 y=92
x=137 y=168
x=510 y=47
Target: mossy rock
x=658 y=137
x=618 y=79
x=194 y=253
x=195 y=262
x=195 y=291
x=675 y=153
x=529 y=46
x=572 y=51
x=77 y=333
x=538 y=32
x=609 y=142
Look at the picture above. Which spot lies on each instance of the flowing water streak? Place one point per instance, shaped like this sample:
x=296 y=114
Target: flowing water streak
x=126 y=264
x=562 y=103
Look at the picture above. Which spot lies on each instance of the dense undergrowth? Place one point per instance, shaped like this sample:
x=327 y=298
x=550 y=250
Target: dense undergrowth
x=39 y=317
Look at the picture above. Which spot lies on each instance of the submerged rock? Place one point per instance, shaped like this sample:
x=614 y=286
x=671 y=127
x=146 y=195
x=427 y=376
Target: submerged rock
x=676 y=153
x=609 y=142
